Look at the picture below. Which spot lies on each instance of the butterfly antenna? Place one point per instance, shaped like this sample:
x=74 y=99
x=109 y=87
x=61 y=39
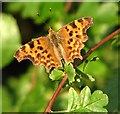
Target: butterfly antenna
x=50 y=11
x=38 y=14
x=44 y=21
x=50 y=14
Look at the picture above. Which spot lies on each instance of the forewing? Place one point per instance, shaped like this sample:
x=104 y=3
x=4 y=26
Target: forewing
x=39 y=51
x=71 y=37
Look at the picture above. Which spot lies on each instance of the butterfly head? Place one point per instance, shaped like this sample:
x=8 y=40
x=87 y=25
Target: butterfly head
x=50 y=30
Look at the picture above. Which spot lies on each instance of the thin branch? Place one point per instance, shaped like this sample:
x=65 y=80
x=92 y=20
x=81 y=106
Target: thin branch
x=97 y=46
x=48 y=109
x=68 y=5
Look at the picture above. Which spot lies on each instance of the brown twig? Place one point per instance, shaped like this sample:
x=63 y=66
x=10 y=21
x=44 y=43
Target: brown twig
x=97 y=46
x=48 y=109
x=68 y=5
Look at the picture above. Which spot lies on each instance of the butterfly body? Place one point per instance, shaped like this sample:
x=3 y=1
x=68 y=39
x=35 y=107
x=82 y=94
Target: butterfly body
x=49 y=50
x=55 y=42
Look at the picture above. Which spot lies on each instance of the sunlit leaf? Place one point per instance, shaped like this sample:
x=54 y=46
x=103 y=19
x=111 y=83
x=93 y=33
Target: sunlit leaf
x=72 y=99
x=56 y=74
x=10 y=39
x=69 y=69
x=87 y=102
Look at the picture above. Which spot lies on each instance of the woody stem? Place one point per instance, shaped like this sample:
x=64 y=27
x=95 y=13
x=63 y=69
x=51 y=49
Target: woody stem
x=48 y=109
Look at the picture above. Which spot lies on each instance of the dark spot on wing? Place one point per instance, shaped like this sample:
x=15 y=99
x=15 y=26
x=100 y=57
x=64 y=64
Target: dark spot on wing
x=84 y=30
x=38 y=41
x=52 y=60
x=42 y=57
x=40 y=47
x=88 y=19
x=70 y=47
x=66 y=28
x=73 y=24
x=78 y=36
x=48 y=55
x=45 y=51
x=36 y=62
x=23 y=48
x=35 y=51
x=47 y=61
x=17 y=53
x=71 y=40
x=80 y=20
x=52 y=64
x=38 y=55
x=68 y=42
x=71 y=33
x=31 y=44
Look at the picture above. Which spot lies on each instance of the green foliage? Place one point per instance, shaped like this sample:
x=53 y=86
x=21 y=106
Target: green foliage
x=111 y=89
x=70 y=72
x=88 y=61
x=10 y=39
x=87 y=102
x=84 y=75
x=25 y=92
x=6 y=103
x=56 y=74
x=30 y=90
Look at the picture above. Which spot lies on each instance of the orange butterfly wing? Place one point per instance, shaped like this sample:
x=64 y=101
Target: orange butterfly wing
x=71 y=36
x=39 y=51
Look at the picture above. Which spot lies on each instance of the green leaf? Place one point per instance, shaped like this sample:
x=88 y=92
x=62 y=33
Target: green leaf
x=85 y=102
x=56 y=74
x=91 y=78
x=103 y=19
x=85 y=6
x=111 y=88
x=93 y=59
x=70 y=72
x=27 y=9
x=44 y=11
x=72 y=99
x=27 y=12
x=97 y=101
x=10 y=39
x=84 y=96
x=106 y=15
x=84 y=75
x=14 y=7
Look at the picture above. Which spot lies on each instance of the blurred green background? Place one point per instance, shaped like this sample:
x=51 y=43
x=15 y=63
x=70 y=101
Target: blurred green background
x=26 y=88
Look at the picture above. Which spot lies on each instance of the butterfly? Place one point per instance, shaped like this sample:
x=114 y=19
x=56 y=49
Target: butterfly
x=65 y=44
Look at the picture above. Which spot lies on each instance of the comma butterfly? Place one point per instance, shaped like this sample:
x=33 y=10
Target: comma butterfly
x=49 y=50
